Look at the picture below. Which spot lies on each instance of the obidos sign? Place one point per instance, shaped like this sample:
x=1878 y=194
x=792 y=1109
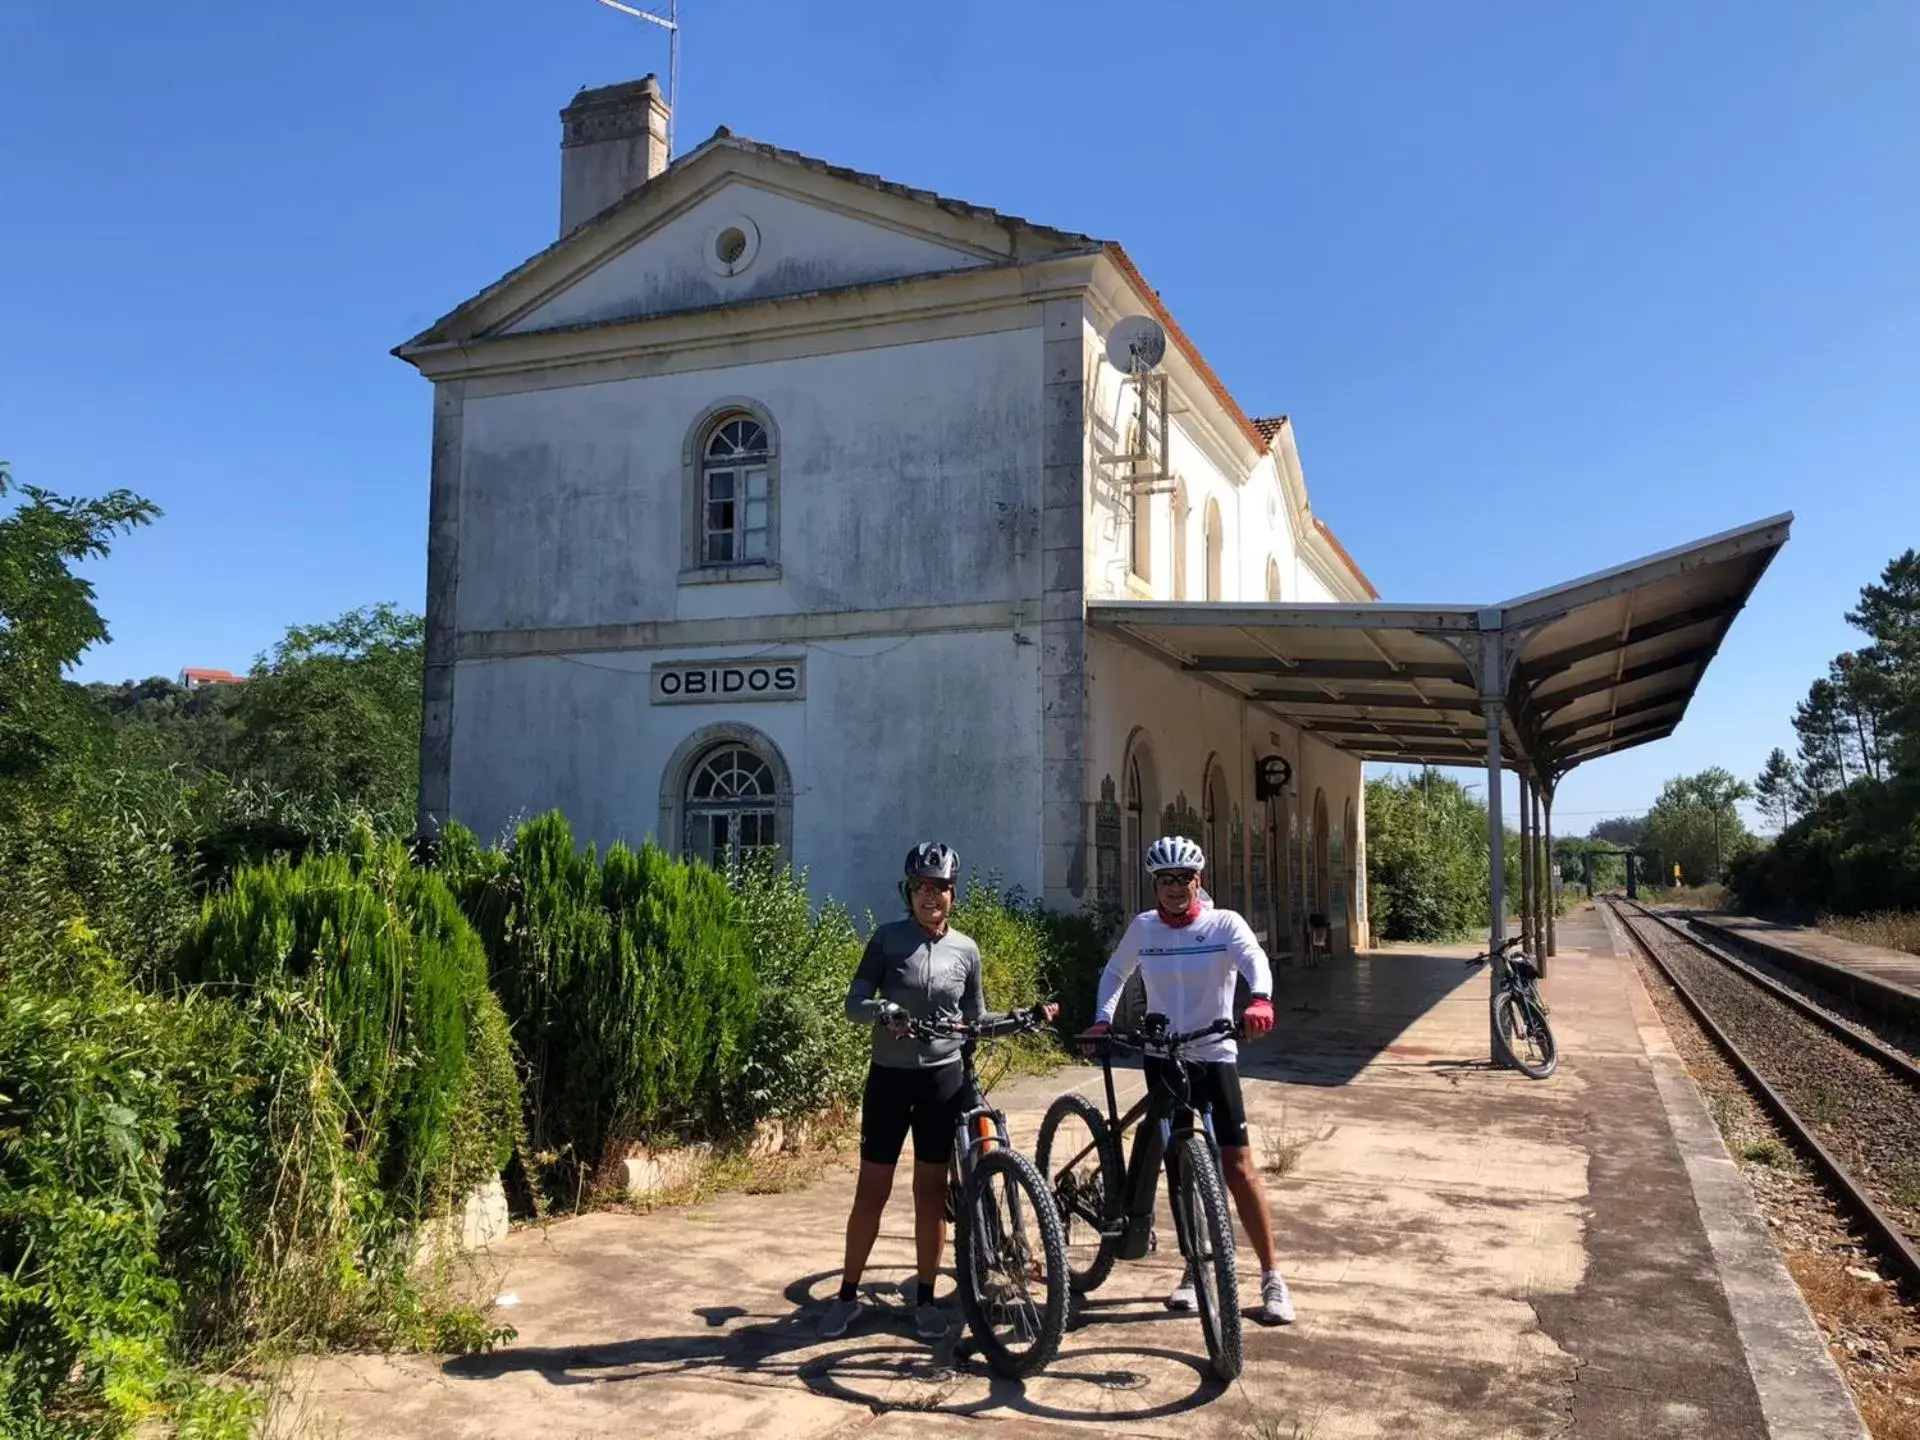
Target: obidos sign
x=694 y=682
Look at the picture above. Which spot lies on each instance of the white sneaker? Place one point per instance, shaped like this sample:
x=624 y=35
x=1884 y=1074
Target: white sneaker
x=1182 y=1297
x=1276 y=1306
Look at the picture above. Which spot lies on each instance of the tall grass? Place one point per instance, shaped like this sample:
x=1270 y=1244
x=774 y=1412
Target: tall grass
x=1889 y=929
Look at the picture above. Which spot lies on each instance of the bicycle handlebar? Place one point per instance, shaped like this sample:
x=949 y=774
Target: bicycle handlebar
x=948 y=1028
x=1170 y=1041
x=1510 y=943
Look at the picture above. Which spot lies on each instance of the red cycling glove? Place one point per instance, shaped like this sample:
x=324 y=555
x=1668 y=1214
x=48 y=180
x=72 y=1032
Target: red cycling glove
x=1258 y=1017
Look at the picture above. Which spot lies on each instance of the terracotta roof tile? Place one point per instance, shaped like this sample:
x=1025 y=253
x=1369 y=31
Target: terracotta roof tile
x=1268 y=426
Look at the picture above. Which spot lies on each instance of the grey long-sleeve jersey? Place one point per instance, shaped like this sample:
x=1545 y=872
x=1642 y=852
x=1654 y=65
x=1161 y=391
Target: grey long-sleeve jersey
x=930 y=977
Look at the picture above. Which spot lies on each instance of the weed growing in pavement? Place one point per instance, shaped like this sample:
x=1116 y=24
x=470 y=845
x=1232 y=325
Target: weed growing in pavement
x=1762 y=1152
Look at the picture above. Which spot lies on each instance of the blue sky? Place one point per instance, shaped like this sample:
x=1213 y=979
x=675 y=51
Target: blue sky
x=1544 y=288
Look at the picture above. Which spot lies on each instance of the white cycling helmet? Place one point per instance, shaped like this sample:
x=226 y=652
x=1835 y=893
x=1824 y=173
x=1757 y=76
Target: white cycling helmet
x=1175 y=852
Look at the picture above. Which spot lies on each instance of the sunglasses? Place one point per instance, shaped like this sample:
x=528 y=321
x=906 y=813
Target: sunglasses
x=1176 y=877
x=930 y=885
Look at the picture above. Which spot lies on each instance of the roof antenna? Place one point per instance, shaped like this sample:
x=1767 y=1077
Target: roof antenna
x=670 y=22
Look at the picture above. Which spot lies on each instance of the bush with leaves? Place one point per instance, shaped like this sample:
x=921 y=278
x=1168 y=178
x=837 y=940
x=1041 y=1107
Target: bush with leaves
x=383 y=953
x=804 y=1056
x=180 y=1186
x=1427 y=866
x=628 y=982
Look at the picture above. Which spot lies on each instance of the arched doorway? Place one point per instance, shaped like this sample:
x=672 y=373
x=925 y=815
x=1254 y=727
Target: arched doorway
x=1322 y=858
x=1139 y=809
x=1217 y=838
x=1350 y=832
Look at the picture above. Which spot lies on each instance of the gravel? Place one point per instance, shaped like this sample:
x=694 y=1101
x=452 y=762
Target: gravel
x=1873 y=1334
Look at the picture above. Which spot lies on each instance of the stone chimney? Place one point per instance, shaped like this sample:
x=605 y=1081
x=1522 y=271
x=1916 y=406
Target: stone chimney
x=612 y=141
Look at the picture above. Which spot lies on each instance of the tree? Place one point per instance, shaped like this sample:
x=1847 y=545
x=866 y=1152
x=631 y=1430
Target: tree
x=1694 y=824
x=47 y=616
x=1776 y=788
x=335 y=713
x=1889 y=612
x=1623 y=830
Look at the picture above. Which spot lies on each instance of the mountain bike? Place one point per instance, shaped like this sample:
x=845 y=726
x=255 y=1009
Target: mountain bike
x=1519 y=1014
x=1009 y=1252
x=1108 y=1215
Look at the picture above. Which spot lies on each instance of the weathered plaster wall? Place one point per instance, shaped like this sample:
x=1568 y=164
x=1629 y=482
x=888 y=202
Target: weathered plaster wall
x=1254 y=522
x=908 y=476
x=1188 y=725
x=898 y=740
x=801 y=247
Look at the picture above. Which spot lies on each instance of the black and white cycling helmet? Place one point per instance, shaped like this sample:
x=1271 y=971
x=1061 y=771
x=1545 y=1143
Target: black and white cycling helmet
x=1175 y=852
x=932 y=859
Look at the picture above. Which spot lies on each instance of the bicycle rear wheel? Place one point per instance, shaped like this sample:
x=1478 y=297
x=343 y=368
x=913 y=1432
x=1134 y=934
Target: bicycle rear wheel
x=1078 y=1158
x=1207 y=1240
x=1012 y=1262
x=1525 y=1035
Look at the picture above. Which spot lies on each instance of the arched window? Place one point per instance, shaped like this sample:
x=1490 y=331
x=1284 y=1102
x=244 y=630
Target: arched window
x=731 y=805
x=734 y=474
x=726 y=791
x=1273 y=579
x=1179 y=542
x=733 y=493
x=1214 y=545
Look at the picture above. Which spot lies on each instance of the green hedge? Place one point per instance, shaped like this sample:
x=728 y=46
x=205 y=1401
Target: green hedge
x=412 y=1030
x=628 y=982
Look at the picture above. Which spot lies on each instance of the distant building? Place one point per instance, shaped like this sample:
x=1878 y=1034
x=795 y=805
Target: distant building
x=767 y=505
x=193 y=678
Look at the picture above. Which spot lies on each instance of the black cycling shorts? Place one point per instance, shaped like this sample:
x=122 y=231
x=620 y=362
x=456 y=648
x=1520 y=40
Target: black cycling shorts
x=928 y=1102
x=1216 y=1086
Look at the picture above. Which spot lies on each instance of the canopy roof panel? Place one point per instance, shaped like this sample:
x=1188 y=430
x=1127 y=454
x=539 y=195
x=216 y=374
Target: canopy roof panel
x=1594 y=666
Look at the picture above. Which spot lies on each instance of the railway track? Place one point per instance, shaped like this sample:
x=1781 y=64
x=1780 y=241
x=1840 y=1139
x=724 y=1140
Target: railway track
x=1850 y=1103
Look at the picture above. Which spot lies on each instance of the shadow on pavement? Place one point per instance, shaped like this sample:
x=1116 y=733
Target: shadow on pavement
x=870 y=1370
x=1340 y=1016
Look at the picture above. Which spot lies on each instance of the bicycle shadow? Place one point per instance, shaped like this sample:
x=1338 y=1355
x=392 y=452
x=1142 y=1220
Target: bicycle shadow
x=891 y=1371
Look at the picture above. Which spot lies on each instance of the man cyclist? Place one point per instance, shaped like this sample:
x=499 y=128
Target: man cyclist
x=918 y=968
x=1187 y=954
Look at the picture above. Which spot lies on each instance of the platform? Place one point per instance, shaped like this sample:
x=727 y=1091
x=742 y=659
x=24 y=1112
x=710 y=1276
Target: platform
x=1471 y=1254
x=1890 y=978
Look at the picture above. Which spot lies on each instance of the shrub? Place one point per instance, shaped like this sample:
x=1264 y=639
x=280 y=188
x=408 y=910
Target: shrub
x=804 y=1056
x=628 y=984
x=386 y=958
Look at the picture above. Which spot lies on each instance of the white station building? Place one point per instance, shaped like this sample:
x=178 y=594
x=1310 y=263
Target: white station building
x=779 y=504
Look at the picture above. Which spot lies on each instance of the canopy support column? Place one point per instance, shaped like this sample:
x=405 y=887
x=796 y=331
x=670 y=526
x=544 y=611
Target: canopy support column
x=1552 y=893
x=1529 y=937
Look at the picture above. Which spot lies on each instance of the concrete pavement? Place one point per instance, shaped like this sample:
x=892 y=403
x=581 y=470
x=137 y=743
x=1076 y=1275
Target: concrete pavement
x=1471 y=1253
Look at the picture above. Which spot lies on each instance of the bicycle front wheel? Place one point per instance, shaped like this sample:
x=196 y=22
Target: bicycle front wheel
x=1207 y=1240
x=1079 y=1159
x=1012 y=1262
x=1525 y=1036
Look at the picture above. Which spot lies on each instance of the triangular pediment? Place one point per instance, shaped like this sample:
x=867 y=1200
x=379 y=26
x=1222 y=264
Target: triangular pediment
x=735 y=222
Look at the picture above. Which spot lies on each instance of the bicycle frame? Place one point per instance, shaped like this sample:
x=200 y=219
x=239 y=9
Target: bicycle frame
x=1164 y=1119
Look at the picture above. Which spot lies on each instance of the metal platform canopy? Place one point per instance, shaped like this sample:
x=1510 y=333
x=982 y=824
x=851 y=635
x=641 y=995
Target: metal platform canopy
x=1538 y=684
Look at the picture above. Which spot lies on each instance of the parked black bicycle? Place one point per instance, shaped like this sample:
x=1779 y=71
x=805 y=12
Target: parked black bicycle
x=1519 y=1014
x=1108 y=1216
x=1009 y=1252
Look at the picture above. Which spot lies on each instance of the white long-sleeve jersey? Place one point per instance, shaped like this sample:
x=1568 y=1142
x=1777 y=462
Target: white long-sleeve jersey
x=1188 y=972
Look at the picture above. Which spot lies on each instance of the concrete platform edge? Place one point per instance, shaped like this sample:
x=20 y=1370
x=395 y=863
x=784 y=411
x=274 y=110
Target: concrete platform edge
x=1801 y=1390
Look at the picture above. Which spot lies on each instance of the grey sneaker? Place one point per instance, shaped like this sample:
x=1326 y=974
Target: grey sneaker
x=1276 y=1306
x=928 y=1321
x=838 y=1315
x=1182 y=1297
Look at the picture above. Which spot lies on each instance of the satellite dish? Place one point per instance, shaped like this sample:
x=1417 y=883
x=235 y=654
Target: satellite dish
x=1136 y=344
